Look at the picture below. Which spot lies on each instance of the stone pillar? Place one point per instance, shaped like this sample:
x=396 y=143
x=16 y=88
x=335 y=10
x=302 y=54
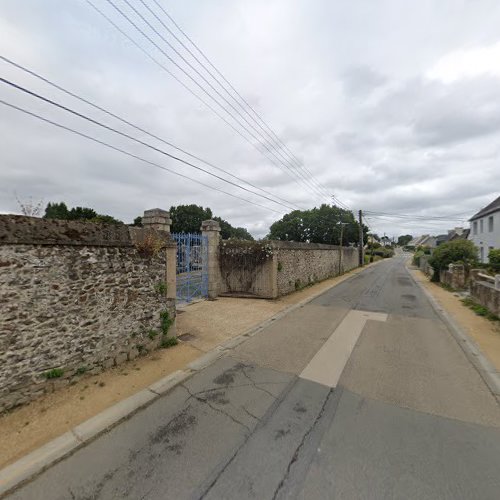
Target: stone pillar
x=158 y=219
x=211 y=229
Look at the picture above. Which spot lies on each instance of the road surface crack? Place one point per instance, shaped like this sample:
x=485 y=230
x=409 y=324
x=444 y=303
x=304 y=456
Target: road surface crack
x=250 y=413
x=214 y=408
x=256 y=385
x=301 y=444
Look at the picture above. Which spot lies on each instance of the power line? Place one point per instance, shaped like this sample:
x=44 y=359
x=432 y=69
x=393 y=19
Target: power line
x=132 y=155
x=128 y=136
x=123 y=120
x=164 y=68
x=260 y=122
x=145 y=35
x=443 y=218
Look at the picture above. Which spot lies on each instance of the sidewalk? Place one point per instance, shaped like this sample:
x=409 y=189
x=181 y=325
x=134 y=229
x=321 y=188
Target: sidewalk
x=201 y=326
x=484 y=332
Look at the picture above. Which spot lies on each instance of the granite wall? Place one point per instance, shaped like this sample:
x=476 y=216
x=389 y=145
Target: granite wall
x=301 y=264
x=77 y=297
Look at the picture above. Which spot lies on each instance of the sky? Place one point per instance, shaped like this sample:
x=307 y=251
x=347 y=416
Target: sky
x=390 y=106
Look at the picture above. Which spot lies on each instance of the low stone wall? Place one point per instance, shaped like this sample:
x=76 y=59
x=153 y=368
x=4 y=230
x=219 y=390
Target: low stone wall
x=424 y=265
x=76 y=297
x=455 y=276
x=486 y=291
x=301 y=264
x=275 y=268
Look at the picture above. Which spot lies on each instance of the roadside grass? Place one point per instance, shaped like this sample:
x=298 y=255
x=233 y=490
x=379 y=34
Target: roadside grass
x=479 y=309
x=447 y=287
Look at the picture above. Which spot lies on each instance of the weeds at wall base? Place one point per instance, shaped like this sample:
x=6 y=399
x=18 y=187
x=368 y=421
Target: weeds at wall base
x=54 y=373
x=167 y=342
x=479 y=309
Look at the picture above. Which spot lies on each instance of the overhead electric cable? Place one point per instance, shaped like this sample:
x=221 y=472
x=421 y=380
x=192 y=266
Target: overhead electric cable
x=164 y=68
x=132 y=155
x=128 y=136
x=269 y=133
x=123 y=120
x=127 y=18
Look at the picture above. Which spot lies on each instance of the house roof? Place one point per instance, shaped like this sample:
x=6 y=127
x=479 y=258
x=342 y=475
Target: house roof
x=494 y=206
x=416 y=241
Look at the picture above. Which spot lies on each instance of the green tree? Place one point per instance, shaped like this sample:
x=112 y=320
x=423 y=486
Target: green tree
x=494 y=259
x=227 y=231
x=60 y=211
x=463 y=251
x=188 y=218
x=404 y=239
x=318 y=225
x=56 y=211
x=78 y=213
x=137 y=221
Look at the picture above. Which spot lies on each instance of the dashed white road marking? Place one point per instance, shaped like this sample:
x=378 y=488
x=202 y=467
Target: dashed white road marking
x=329 y=362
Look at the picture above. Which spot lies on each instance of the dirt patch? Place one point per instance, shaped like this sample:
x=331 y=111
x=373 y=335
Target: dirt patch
x=484 y=332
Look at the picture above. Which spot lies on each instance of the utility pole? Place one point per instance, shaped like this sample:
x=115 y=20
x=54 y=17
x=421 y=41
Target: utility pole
x=342 y=224
x=361 y=258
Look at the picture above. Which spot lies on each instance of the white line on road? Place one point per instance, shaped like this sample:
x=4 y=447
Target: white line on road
x=329 y=362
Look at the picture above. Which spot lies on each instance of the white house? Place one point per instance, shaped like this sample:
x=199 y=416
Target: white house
x=485 y=229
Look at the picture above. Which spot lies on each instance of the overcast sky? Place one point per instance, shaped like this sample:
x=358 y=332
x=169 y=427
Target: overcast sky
x=392 y=105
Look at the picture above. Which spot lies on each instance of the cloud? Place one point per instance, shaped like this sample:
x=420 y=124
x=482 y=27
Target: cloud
x=382 y=120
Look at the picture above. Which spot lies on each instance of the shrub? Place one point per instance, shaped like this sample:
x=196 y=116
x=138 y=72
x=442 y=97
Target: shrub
x=416 y=257
x=165 y=322
x=383 y=252
x=161 y=288
x=480 y=310
x=54 y=373
x=463 y=251
x=149 y=245
x=494 y=258
x=167 y=342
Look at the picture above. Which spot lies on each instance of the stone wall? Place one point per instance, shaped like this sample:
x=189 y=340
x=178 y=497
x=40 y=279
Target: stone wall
x=455 y=276
x=76 y=297
x=486 y=291
x=283 y=267
x=424 y=265
x=301 y=264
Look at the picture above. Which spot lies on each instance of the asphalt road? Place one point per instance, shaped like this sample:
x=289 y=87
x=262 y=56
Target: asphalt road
x=361 y=394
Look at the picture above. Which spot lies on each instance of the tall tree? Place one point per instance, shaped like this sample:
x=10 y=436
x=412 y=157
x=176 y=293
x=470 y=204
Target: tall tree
x=78 y=213
x=404 y=239
x=188 y=218
x=227 y=231
x=60 y=211
x=56 y=211
x=318 y=225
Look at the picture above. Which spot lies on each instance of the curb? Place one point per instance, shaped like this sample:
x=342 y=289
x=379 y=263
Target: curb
x=486 y=370
x=36 y=462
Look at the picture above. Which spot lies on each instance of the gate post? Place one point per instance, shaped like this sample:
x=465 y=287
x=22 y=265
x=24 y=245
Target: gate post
x=211 y=229
x=159 y=220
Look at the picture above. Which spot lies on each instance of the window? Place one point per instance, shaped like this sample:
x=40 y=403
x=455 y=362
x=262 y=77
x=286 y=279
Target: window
x=481 y=226
x=481 y=254
x=474 y=227
x=490 y=224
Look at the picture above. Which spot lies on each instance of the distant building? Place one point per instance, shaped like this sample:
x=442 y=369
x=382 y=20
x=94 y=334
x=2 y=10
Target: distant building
x=485 y=229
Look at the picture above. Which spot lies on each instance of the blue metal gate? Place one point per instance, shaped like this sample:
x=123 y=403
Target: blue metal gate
x=192 y=259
